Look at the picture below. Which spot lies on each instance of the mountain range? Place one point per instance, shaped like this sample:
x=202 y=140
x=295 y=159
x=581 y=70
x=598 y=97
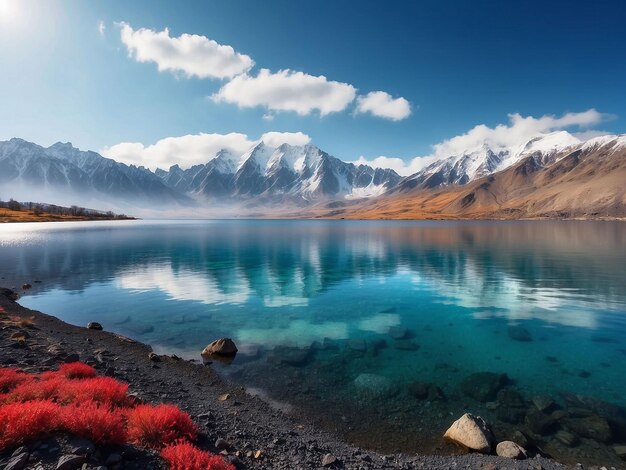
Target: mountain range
x=550 y=175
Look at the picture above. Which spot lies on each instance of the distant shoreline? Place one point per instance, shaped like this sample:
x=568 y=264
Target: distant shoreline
x=8 y=216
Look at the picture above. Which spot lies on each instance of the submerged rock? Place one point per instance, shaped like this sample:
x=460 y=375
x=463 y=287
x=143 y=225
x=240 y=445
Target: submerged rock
x=519 y=333
x=543 y=402
x=566 y=438
x=511 y=450
x=358 y=345
x=398 y=332
x=220 y=347
x=406 y=345
x=592 y=427
x=540 y=423
x=94 y=325
x=292 y=356
x=470 y=432
x=426 y=391
x=375 y=386
x=483 y=386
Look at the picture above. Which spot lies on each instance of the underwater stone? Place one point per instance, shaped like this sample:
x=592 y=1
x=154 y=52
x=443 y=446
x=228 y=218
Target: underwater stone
x=566 y=438
x=519 y=333
x=511 y=398
x=375 y=386
x=540 y=423
x=358 y=345
x=593 y=427
x=543 y=402
x=405 y=345
x=483 y=386
x=470 y=432
x=397 y=332
x=620 y=450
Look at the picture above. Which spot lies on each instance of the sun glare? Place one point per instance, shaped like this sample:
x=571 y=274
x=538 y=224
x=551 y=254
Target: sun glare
x=9 y=11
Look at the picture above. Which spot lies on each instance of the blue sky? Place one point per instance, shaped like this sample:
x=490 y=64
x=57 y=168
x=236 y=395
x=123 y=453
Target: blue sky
x=458 y=64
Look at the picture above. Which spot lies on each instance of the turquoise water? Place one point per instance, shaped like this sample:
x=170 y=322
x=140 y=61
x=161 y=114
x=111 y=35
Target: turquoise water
x=317 y=307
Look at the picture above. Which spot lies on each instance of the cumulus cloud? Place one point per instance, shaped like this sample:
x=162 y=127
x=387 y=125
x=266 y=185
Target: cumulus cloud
x=193 y=149
x=382 y=104
x=188 y=54
x=287 y=90
x=519 y=130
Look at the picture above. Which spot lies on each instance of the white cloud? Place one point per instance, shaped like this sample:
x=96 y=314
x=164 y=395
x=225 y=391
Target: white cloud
x=188 y=54
x=382 y=104
x=518 y=131
x=193 y=149
x=276 y=139
x=101 y=28
x=287 y=90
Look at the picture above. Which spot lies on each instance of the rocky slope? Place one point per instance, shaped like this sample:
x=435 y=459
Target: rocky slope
x=263 y=174
x=62 y=173
x=585 y=180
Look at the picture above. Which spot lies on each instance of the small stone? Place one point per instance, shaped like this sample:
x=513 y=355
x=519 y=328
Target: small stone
x=511 y=450
x=620 y=450
x=258 y=454
x=26 y=286
x=113 y=459
x=329 y=460
x=406 y=345
x=94 y=326
x=519 y=333
x=566 y=438
x=357 y=345
x=154 y=357
x=397 y=332
x=222 y=444
x=17 y=462
x=224 y=397
x=492 y=405
x=70 y=462
x=80 y=446
x=483 y=386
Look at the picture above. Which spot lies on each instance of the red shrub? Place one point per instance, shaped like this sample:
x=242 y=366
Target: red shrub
x=157 y=426
x=10 y=378
x=36 y=390
x=77 y=370
x=185 y=456
x=21 y=422
x=95 y=422
x=99 y=389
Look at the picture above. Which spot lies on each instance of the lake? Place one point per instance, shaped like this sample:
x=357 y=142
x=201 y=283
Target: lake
x=383 y=332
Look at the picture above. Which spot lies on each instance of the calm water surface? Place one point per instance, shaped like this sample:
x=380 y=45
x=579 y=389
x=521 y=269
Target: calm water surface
x=349 y=322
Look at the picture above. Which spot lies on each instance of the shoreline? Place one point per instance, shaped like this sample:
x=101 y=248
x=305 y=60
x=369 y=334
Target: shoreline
x=246 y=422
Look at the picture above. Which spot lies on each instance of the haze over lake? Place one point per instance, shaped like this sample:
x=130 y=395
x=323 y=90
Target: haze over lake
x=339 y=319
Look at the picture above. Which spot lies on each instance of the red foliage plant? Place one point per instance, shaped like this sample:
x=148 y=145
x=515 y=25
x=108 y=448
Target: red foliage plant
x=185 y=456
x=157 y=426
x=95 y=422
x=77 y=370
x=11 y=378
x=21 y=422
x=99 y=389
x=36 y=390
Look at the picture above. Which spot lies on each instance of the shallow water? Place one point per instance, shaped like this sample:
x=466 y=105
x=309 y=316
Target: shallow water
x=317 y=307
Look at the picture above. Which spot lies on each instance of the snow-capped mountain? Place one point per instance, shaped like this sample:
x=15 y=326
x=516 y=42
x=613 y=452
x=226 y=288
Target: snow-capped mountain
x=488 y=158
x=62 y=171
x=264 y=173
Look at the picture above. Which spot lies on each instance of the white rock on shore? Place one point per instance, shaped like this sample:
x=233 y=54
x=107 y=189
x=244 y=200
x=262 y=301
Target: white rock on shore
x=470 y=432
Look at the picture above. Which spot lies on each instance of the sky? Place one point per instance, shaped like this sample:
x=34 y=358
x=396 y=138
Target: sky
x=157 y=82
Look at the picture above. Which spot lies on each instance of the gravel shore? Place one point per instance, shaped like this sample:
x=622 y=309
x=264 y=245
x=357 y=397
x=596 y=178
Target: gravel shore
x=256 y=435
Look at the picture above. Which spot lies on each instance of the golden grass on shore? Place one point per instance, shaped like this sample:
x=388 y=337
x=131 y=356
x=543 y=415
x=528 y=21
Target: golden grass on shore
x=25 y=215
